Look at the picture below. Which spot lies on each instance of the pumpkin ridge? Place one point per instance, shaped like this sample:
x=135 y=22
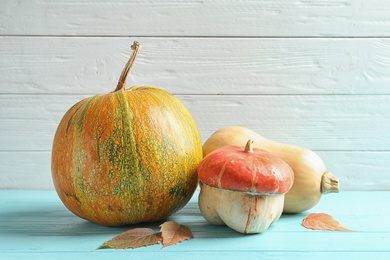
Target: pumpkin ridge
x=79 y=105
x=131 y=164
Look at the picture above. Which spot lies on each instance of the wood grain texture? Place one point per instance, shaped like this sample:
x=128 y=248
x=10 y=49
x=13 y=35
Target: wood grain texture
x=66 y=65
x=195 y=18
x=317 y=122
x=310 y=73
x=25 y=170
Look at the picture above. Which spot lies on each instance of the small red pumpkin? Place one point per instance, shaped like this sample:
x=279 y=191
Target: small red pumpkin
x=248 y=170
x=243 y=188
x=126 y=157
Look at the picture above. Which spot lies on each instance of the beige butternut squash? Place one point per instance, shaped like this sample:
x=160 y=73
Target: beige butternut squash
x=311 y=179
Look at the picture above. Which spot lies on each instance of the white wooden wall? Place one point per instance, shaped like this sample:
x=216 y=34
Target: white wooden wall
x=312 y=73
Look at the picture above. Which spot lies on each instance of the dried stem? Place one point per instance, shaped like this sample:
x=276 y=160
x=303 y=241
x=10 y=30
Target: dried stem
x=248 y=147
x=136 y=47
x=329 y=183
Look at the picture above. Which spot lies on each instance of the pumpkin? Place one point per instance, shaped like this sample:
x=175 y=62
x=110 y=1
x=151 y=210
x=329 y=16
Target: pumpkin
x=243 y=187
x=126 y=157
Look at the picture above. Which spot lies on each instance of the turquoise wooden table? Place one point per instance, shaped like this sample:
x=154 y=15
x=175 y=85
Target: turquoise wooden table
x=36 y=225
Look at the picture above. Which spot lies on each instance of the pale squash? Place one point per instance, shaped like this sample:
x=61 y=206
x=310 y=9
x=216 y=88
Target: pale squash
x=311 y=179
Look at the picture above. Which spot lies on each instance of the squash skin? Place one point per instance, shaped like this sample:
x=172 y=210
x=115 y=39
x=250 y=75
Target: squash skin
x=243 y=212
x=249 y=170
x=308 y=167
x=126 y=157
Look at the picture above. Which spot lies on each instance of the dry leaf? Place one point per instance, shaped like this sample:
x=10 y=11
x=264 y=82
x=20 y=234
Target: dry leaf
x=173 y=233
x=322 y=221
x=133 y=238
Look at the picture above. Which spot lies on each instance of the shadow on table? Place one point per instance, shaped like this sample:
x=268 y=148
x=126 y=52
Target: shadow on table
x=55 y=220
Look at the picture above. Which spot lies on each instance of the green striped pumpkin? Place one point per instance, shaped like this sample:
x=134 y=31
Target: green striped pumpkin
x=126 y=157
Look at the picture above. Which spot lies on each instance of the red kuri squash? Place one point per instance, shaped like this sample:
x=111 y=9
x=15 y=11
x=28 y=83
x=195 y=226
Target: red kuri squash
x=126 y=157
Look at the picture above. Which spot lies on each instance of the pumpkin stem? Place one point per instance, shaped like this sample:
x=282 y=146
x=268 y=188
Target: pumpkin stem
x=329 y=183
x=248 y=146
x=136 y=47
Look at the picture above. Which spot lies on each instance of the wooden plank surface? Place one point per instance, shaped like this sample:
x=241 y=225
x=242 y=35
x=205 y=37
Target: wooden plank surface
x=195 y=18
x=318 y=122
x=310 y=73
x=36 y=225
x=283 y=66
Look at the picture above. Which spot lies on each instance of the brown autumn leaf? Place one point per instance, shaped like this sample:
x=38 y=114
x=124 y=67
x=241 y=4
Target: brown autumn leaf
x=322 y=221
x=173 y=233
x=133 y=238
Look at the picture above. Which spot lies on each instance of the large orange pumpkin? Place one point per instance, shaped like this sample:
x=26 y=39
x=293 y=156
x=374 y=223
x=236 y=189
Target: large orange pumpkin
x=126 y=157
